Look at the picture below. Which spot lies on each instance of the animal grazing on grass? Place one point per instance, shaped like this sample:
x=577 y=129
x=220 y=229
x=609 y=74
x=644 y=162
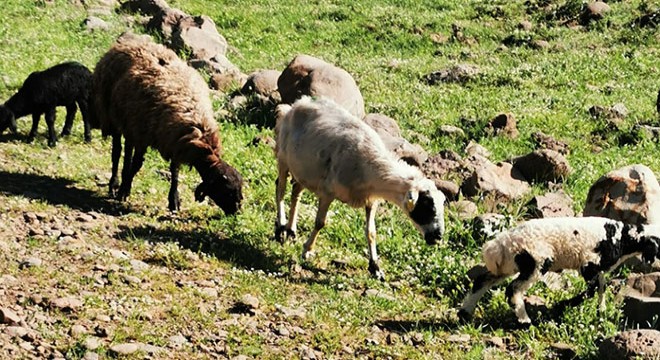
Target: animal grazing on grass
x=61 y=85
x=338 y=156
x=146 y=94
x=591 y=245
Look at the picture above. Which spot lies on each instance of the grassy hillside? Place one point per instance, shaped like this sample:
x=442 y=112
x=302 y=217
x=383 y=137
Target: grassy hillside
x=144 y=274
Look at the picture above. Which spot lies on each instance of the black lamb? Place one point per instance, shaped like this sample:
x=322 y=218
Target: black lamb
x=61 y=85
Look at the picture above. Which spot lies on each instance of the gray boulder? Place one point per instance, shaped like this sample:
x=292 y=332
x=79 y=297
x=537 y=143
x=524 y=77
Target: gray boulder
x=542 y=166
x=630 y=194
x=501 y=180
x=631 y=344
x=553 y=204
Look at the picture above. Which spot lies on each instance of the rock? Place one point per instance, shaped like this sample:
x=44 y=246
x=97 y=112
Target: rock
x=458 y=74
x=389 y=132
x=486 y=226
x=645 y=284
x=539 y=44
x=125 y=349
x=437 y=166
x=307 y=75
x=263 y=82
x=554 y=204
x=562 y=351
x=90 y=356
x=641 y=311
x=139 y=265
x=544 y=141
x=504 y=124
x=631 y=344
x=17 y=331
x=542 y=166
x=148 y=7
x=93 y=23
x=91 y=343
x=198 y=35
x=475 y=149
x=459 y=338
x=448 y=188
x=77 y=330
x=222 y=82
x=495 y=341
x=451 y=131
x=165 y=21
x=378 y=294
x=66 y=304
x=297 y=313
x=177 y=340
x=525 y=25
x=594 y=11
x=9 y=317
x=213 y=294
x=501 y=180
x=30 y=262
x=630 y=194
x=283 y=331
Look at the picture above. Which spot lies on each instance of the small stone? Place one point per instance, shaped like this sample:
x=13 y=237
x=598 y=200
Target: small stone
x=16 y=331
x=91 y=343
x=283 y=331
x=298 y=313
x=103 y=318
x=378 y=294
x=139 y=265
x=525 y=25
x=77 y=330
x=30 y=262
x=213 y=293
x=459 y=338
x=68 y=232
x=84 y=218
x=66 y=304
x=563 y=351
x=495 y=341
x=130 y=279
x=118 y=254
x=125 y=349
x=91 y=356
x=177 y=340
x=250 y=300
x=93 y=23
x=9 y=317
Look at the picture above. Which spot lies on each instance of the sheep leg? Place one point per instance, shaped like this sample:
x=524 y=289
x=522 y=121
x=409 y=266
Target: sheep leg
x=529 y=274
x=136 y=164
x=50 y=121
x=116 y=154
x=481 y=285
x=35 y=125
x=370 y=232
x=291 y=226
x=319 y=223
x=280 y=184
x=125 y=187
x=68 y=122
x=84 y=111
x=173 y=196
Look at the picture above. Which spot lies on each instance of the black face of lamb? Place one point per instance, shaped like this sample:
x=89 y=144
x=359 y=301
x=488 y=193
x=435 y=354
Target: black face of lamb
x=225 y=191
x=423 y=214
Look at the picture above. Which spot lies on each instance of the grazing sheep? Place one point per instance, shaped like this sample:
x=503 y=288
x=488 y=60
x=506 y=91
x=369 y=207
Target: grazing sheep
x=337 y=156
x=145 y=93
x=591 y=245
x=61 y=85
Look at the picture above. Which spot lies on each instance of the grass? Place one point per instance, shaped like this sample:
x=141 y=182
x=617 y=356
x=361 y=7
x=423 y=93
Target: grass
x=547 y=90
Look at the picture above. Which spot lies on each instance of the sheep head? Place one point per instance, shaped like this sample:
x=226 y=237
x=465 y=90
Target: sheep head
x=7 y=119
x=424 y=204
x=224 y=186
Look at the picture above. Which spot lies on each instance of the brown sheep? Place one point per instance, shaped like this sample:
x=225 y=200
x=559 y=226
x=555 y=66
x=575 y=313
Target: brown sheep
x=145 y=93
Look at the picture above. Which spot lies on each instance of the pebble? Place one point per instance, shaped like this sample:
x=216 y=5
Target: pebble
x=139 y=265
x=177 y=340
x=213 y=293
x=77 y=330
x=283 y=331
x=125 y=349
x=16 y=331
x=30 y=262
x=66 y=303
x=92 y=343
x=91 y=356
x=9 y=317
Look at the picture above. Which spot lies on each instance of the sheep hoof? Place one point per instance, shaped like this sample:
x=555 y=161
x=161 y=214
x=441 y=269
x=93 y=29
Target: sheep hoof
x=88 y=139
x=308 y=255
x=375 y=270
x=524 y=323
x=30 y=139
x=280 y=231
x=52 y=143
x=65 y=133
x=290 y=234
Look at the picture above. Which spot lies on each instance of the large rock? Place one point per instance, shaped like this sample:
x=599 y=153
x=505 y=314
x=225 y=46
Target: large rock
x=437 y=166
x=307 y=75
x=262 y=82
x=149 y=7
x=631 y=344
x=389 y=131
x=198 y=35
x=630 y=194
x=645 y=284
x=502 y=180
x=542 y=166
x=554 y=204
x=504 y=124
x=641 y=304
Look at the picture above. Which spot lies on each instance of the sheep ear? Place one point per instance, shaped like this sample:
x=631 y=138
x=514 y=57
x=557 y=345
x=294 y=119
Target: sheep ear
x=200 y=192
x=411 y=200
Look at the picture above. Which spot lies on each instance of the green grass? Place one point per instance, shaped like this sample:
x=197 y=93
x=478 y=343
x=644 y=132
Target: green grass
x=547 y=90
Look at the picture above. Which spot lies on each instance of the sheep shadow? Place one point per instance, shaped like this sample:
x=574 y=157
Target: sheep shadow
x=237 y=250
x=57 y=191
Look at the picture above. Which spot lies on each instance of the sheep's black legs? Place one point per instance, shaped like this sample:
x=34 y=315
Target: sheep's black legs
x=133 y=165
x=324 y=205
x=370 y=233
x=116 y=154
x=35 y=125
x=68 y=122
x=529 y=273
x=173 y=196
x=50 y=121
x=292 y=225
x=481 y=285
x=84 y=111
x=280 y=185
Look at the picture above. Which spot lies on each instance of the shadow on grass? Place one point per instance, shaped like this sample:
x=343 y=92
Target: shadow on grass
x=237 y=250
x=406 y=326
x=57 y=191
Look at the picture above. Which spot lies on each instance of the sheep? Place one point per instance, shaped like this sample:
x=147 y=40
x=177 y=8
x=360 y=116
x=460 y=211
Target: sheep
x=61 y=85
x=591 y=245
x=337 y=156
x=145 y=93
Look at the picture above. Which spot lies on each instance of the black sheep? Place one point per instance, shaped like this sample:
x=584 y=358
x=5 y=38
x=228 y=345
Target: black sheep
x=61 y=85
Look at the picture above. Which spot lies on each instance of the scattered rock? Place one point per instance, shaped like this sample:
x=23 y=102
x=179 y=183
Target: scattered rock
x=630 y=194
x=149 y=7
x=465 y=209
x=542 y=166
x=458 y=74
x=448 y=188
x=501 y=180
x=93 y=23
x=249 y=304
x=263 y=82
x=631 y=344
x=90 y=356
x=66 y=304
x=525 y=25
x=125 y=349
x=378 y=294
x=389 y=132
x=307 y=75
x=594 y=11
x=459 y=338
x=30 y=262
x=451 y=131
x=77 y=330
x=544 y=141
x=554 y=204
x=295 y=313
x=177 y=340
x=437 y=166
x=641 y=311
x=9 y=317
x=645 y=284
x=504 y=124
x=91 y=343
x=562 y=351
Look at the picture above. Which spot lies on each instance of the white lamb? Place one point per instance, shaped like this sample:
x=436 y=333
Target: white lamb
x=337 y=156
x=591 y=245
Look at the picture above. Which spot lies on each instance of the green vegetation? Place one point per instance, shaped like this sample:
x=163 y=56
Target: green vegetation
x=388 y=46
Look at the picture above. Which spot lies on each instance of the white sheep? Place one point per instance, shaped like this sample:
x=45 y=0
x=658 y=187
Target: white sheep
x=591 y=245
x=337 y=156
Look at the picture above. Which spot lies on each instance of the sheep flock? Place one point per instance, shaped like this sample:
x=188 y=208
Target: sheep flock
x=141 y=95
